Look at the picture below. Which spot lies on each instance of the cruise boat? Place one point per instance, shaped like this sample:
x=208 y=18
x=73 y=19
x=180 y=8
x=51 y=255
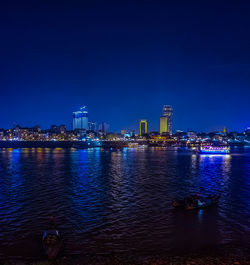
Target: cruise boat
x=209 y=149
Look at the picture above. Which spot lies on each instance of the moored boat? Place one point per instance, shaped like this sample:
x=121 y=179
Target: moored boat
x=195 y=201
x=51 y=241
x=133 y=145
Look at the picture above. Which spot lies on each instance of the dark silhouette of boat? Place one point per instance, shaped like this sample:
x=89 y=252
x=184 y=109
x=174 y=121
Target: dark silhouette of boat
x=196 y=201
x=51 y=240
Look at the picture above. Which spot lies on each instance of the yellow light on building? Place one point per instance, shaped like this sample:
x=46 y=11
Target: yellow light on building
x=143 y=127
x=163 y=124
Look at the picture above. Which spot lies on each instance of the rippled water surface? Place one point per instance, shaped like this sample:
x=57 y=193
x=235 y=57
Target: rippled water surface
x=112 y=201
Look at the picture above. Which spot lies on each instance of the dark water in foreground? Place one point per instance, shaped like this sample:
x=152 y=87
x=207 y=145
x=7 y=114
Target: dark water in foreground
x=120 y=201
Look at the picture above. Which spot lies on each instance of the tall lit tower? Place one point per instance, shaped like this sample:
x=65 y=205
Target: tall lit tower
x=163 y=124
x=80 y=119
x=166 y=121
x=143 y=127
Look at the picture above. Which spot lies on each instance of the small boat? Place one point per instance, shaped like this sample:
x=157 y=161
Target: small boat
x=133 y=145
x=209 y=149
x=51 y=241
x=193 y=202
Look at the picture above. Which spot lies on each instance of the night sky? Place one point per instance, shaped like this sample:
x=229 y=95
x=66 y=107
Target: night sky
x=125 y=60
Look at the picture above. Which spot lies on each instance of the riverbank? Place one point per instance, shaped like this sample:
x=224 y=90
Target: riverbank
x=225 y=255
x=43 y=144
x=104 y=144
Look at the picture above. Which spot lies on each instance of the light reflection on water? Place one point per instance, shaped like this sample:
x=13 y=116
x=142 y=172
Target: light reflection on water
x=120 y=200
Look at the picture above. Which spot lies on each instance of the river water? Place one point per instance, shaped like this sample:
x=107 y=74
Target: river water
x=119 y=201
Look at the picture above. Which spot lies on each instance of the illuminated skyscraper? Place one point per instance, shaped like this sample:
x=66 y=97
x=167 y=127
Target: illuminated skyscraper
x=166 y=121
x=80 y=119
x=163 y=124
x=143 y=127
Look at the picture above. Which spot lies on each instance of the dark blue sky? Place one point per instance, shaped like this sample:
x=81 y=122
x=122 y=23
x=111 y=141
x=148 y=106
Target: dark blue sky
x=124 y=60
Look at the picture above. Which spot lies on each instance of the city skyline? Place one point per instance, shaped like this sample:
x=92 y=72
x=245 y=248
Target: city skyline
x=80 y=120
x=124 y=61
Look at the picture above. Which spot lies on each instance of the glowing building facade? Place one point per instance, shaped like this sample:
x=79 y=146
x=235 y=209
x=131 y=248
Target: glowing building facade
x=166 y=120
x=80 y=119
x=143 y=127
x=163 y=124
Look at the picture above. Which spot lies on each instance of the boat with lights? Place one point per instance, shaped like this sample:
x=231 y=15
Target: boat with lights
x=209 y=149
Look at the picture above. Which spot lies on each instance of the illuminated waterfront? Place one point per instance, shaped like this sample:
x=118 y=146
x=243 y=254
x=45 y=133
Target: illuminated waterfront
x=119 y=201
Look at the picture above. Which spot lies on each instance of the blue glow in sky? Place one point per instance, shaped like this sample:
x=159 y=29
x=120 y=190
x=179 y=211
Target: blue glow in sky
x=125 y=60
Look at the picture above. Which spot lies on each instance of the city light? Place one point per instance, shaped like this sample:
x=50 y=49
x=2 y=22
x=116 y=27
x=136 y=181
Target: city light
x=87 y=133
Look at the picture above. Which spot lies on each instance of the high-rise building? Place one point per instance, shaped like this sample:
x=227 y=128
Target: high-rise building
x=104 y=127
x=191 y=135
x=166 y=120
x=143 y=127
x=80 y=119
x=163 y=125
x=92 y=126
